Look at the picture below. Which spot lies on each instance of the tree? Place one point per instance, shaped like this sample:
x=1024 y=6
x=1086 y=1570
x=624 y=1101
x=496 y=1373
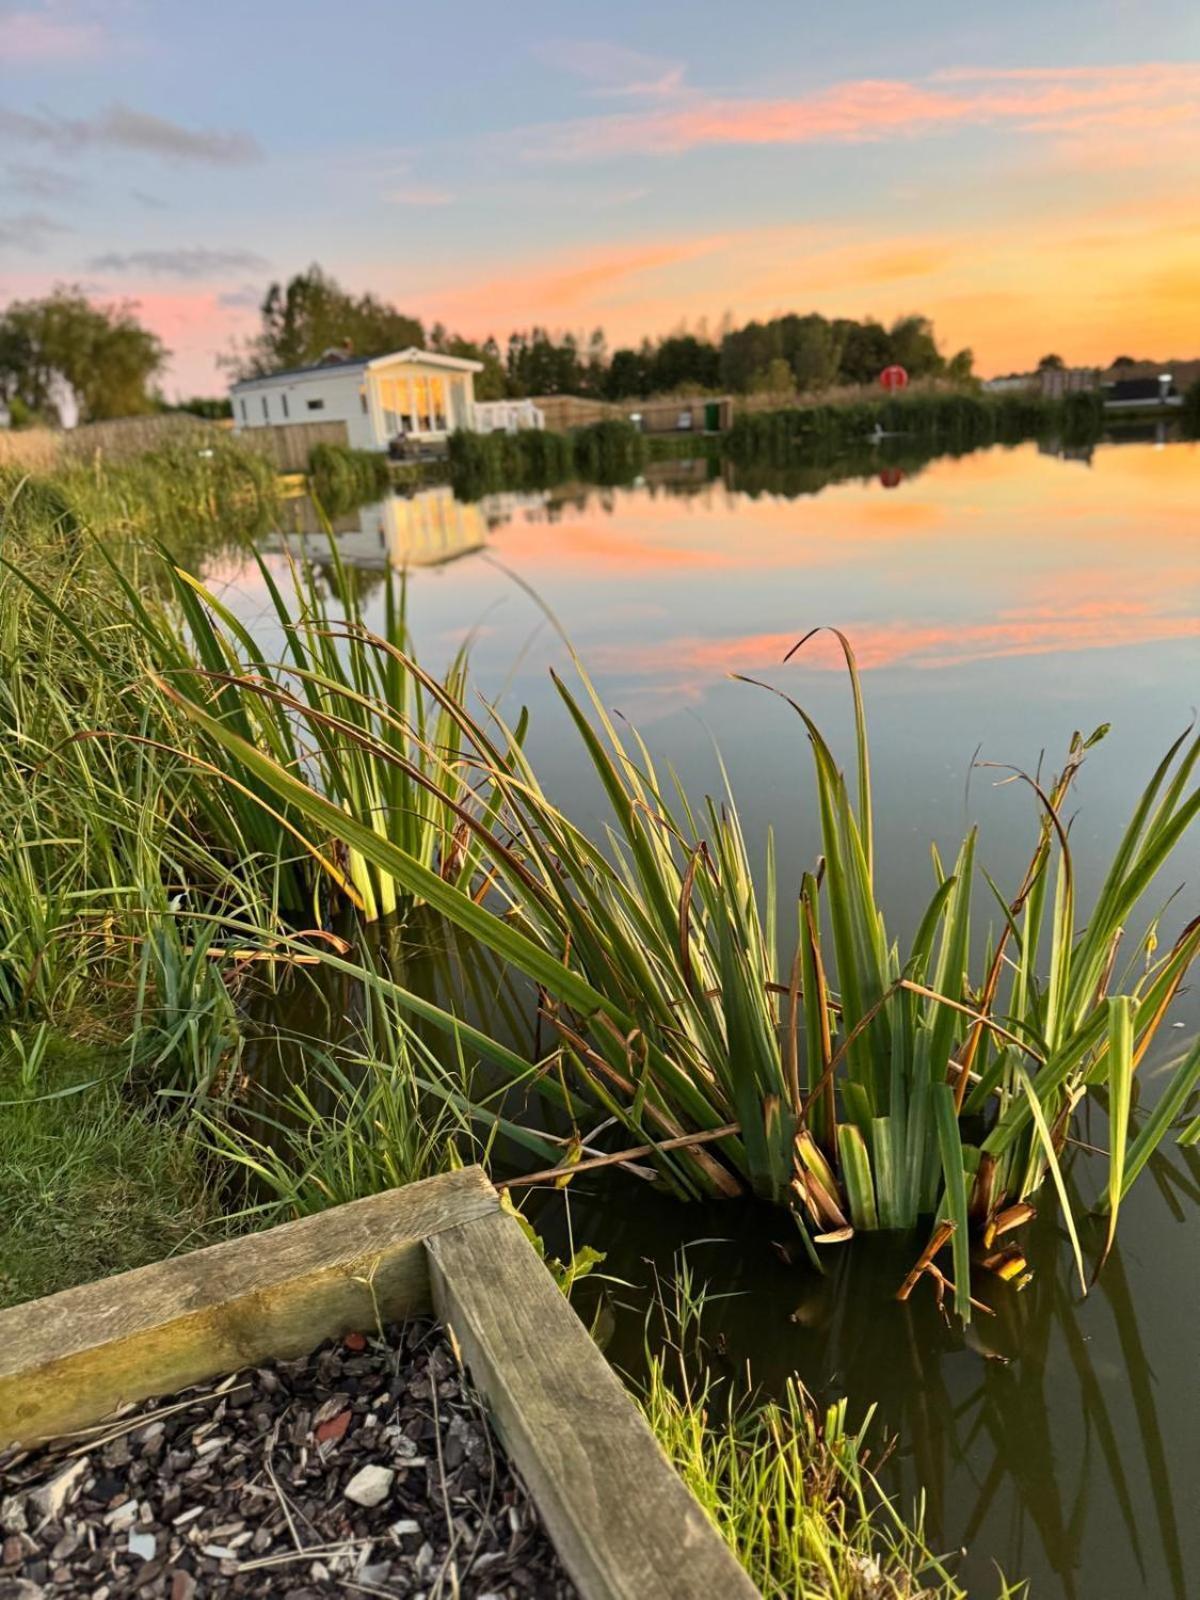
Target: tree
x=864 y=349
x=961 y=366
x=312 y=314
x=774 y=378
x=1125 y=361
x=684 y=362
x=99 y=354
x=915 y=348
x=1051 y=363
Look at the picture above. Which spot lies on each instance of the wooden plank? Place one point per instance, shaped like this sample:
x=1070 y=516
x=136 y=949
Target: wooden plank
x=68 y=1360
x=622 y=1522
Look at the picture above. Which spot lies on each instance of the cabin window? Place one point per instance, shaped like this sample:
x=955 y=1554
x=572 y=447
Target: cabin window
x=316 y=405
x=242 y=403
x=266 y=412
x=363 y=398
x=283 y=403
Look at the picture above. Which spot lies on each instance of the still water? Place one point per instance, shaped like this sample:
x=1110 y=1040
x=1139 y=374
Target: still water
x=996 y=602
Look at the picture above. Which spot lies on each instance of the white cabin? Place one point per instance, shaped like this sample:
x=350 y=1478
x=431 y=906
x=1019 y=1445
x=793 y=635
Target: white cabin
x=415 y=395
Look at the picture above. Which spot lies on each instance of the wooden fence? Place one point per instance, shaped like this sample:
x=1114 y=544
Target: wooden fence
x=287 y=444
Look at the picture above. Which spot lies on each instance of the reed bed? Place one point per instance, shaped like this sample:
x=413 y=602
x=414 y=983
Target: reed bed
x=606 y=452
x=341 y=478
x=949 y=421
x=860 y=1086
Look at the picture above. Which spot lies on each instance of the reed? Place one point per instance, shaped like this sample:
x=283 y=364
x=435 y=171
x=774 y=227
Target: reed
x=341 y=478
x=789 y=1488
x=950 y=421
x=862 y=1087
x=611 y=451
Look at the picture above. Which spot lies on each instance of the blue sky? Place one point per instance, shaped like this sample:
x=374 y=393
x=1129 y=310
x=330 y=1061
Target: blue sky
x=1027 y=174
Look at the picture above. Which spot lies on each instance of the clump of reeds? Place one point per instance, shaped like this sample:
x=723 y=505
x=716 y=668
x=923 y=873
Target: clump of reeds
x=861 y=1086
x=612 y=451
x=789 y=1488
x=341 y=478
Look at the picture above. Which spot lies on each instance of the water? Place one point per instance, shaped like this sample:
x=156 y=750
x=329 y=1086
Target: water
x=997 y=602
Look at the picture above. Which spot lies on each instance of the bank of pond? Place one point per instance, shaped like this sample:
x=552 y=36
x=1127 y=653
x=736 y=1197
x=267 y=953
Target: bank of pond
x=282 y=925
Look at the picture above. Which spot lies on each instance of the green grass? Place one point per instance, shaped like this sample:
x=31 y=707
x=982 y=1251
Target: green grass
x=788 y=1488
x=92 y=1180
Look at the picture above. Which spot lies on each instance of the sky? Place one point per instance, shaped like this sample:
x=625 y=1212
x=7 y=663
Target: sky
x=1026 y=174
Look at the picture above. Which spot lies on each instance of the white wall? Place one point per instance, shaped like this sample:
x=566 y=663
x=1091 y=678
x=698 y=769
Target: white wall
x=340 y=394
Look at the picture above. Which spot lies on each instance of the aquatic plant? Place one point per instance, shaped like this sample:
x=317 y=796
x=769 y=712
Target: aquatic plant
x=789 y=1488
x=861 y=1087
x=341 y=478
x=609 y=452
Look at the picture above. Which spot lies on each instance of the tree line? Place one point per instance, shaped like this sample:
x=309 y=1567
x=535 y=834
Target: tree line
x=64 y=351
x=311 y=314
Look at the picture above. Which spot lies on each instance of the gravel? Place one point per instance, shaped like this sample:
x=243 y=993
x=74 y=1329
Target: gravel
x=367 y=1468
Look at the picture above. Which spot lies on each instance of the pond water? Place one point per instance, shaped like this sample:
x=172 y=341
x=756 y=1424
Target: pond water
x=996 y=602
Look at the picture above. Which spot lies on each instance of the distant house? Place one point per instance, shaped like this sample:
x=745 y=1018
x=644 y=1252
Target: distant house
x=414 y=395
x=1134 y=394
x=1011 y=383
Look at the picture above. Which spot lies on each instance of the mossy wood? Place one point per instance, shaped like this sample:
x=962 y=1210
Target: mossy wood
x=68 y=1360
x=623 y=1523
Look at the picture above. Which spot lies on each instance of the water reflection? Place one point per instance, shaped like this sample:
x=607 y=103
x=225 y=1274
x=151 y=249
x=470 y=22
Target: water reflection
x=1041 y=1437
x=1007 y=597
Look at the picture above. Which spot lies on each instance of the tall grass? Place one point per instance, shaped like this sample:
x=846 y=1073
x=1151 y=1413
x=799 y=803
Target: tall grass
x=609 y=452
x=951 y=421
x=789 y=1489
x=341 y=478
x=862 y=1087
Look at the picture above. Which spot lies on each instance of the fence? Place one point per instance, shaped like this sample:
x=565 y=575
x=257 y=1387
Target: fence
x=287 y=444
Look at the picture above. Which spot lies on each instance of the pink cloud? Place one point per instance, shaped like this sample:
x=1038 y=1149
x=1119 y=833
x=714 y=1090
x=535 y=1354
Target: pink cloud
x=29 y=37
x=1033 y=100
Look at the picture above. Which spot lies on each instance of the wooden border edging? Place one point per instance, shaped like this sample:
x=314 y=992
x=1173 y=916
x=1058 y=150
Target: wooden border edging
x=621 y=1519
x=70 y=1359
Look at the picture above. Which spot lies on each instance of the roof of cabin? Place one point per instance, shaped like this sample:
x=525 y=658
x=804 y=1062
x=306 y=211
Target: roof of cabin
x=429 y=358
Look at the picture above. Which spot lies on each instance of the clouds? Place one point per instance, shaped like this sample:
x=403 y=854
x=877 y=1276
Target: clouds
x=195 y=262
x=40 y=183
x=122 y=128
x=1069 y=100
x=29 y=231
x=33 y=37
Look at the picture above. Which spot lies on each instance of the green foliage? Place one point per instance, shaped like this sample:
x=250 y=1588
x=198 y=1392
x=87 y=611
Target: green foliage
x=607 y=452
x=312 y=314
x=951 y=422
x=858 y=1086
x=102 y=353
x=787 y=1487
x=341 y=478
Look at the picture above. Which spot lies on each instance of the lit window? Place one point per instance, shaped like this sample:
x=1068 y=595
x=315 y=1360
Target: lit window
x=316 y=405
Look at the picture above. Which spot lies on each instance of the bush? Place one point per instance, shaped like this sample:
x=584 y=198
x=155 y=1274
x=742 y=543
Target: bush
x=341 y=478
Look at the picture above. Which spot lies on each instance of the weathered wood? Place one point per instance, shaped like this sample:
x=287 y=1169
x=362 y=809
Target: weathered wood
x=623 y=1523
x=68 y=1360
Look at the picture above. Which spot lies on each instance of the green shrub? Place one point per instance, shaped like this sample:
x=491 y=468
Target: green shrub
x=341 y=478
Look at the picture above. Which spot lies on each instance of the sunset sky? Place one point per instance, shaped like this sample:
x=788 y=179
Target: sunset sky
x=1026 y=174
